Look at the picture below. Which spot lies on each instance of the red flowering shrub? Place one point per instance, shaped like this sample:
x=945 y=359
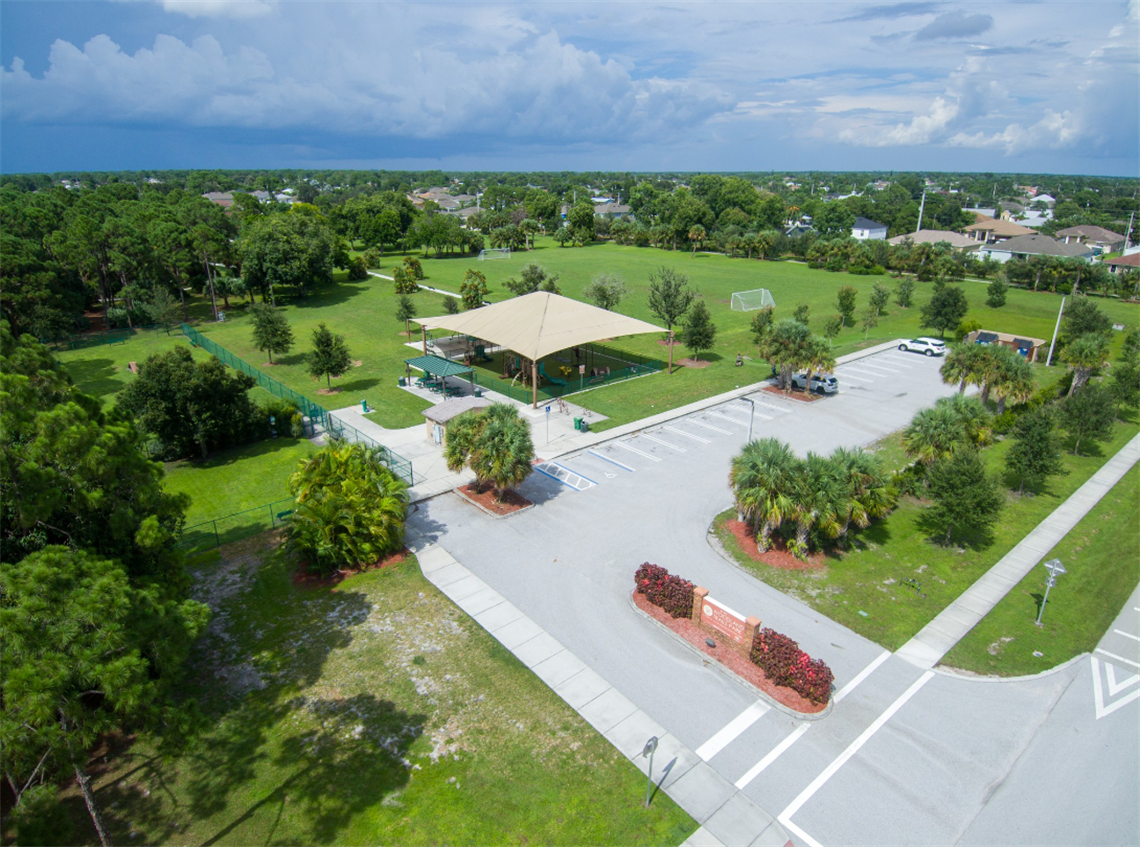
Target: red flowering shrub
x=662 y=589
x=784 y=663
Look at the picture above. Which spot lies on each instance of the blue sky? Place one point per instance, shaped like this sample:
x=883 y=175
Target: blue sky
x=997 y=86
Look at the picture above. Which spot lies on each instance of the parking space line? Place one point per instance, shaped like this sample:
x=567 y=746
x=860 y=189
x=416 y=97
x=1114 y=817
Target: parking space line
x=1118 y=658
x=896 y=362
x=882 y=367
x=570 y=470
x=732 y=730
x=710 y=426
x=863 y=369
x=773 y=408
x=1127 y=634
x=612 y=461
x=666 y=443
x=687 y=434
x=846 y=375
x=745 y=412
x=635 y=450
x=724 y=418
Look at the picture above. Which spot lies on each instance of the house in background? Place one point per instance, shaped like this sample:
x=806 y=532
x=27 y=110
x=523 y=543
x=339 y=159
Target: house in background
x=987 y=230
x=866 y=229
x=936 y=236
x=1124 y=264
x=1024 y=246
x=612 y=210
x=1098 y=238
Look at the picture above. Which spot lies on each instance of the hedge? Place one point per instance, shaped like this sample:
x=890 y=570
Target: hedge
x=662 y=589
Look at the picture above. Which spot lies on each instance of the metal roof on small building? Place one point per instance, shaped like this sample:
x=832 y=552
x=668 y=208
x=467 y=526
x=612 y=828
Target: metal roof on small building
x=438 y=366
x=448 y=409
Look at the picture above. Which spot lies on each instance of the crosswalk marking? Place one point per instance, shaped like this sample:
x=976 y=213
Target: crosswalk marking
x=732 y=730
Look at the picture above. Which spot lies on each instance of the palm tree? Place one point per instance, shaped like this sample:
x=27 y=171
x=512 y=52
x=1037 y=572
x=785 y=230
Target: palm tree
x=868 y=495
x=496 y=446
x=933 y=434
x=1012 y=378
x=763 y=479
x=696 y=236
x=349 y=508
x=822 y=500
x=1085 y=353
x=961 y=365
x=973 y=414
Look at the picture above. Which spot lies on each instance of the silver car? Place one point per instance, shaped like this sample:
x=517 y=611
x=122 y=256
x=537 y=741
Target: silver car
x=823 y=383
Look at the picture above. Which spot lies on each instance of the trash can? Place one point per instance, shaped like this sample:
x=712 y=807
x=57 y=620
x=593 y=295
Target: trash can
x=585 y=426
x=578 y=424
x=402 y=382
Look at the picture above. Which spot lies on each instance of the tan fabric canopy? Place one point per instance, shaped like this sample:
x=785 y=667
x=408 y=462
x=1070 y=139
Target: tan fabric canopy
x=538 y=324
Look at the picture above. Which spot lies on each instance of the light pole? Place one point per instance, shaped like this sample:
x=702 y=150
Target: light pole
x=1055 y=569
x=650 y=748
x=752 y=403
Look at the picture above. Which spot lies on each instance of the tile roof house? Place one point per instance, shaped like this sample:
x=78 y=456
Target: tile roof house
x=1024 y=246
x=986 y=229
x=1123 y=264
x=612 y=210
x=225 y=199
x=1101 y=240
x=936 y=236
x=866 y=229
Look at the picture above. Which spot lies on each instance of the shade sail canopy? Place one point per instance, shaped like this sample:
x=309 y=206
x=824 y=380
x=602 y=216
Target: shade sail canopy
x=538 y=324
x=438 y=365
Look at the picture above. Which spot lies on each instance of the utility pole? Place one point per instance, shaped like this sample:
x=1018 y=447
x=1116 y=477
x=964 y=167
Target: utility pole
x=1128 y=234
x=1053 y=343
x=921 y=206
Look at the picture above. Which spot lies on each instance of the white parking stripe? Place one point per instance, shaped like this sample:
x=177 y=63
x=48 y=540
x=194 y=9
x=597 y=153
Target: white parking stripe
x=732 y=730
x=863 y=369
x=725 y=418
x=882 y=367
x=896 y=361
x=687 y=434
x=611 y=461
x=1118 y=658
x=666 y=443
x=635 y=450
x=853 y=747
x=773 y=408
x=745 y=412
x=846 y=375
x=1127 y=634
x=710 y=426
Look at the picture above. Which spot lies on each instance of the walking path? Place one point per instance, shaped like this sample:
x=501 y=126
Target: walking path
x=726 y=816
x=936 y=639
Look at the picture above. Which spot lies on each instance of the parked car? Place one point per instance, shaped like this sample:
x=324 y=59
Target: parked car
x=823 y=383
x=926 y=346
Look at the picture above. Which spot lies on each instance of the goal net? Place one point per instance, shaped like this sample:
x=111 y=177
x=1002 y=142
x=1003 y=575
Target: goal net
x=495 y=253
x=747 y=301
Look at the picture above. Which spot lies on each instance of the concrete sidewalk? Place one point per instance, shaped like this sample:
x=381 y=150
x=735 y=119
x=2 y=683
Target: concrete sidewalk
x=936 y=639
x=725 y=815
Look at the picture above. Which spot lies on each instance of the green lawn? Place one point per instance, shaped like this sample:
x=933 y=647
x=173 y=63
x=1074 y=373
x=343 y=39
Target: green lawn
x=869 y=578
x=238 y=479
x=372 y=713
x=1103 y=568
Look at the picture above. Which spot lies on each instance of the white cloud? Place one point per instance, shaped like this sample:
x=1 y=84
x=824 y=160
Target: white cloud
x=1052 y=131
x=215 y=8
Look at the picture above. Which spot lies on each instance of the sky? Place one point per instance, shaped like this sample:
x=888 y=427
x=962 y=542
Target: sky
x=623 y=85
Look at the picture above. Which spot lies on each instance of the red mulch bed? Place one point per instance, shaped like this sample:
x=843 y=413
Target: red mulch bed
x=512 y=500
x=692 y=363
x=728 y=657
x=664 y=342
x=777 y=555
x=303 y=579
x=801 y=396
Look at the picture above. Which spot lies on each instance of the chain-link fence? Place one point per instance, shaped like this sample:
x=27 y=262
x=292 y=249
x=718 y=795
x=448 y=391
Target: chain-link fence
x=210 y=534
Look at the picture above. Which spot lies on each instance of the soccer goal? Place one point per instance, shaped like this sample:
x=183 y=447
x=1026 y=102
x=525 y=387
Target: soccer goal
x=495 y=253
x=747 y=301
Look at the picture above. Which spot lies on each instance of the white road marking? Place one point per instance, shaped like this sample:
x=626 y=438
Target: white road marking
x=846 y=375
x=863 y=369
x=725 y=418
x=635 y=450
x=1119 y=658
x=888 y=368
x=1127 y=634
x=896 y=361
x=611 y=461
x=780 y=748
x=687 y=434
x=803 y=836
x=1098 y=694
x=1115 y=687
x=744 y=411
x=732 y=730
x=853 y=748
x=710 y=426
x=666 y=443
x=773 y=754
x=773 y=408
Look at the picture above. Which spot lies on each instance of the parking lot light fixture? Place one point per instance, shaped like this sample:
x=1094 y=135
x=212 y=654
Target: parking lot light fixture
x=752 y=417
x=1055 y=569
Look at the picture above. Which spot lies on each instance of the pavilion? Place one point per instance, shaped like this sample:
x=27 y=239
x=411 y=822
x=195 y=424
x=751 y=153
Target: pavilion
x=539 y=324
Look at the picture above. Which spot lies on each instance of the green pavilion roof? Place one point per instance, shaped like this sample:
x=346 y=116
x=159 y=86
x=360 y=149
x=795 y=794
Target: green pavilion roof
x=438 y=366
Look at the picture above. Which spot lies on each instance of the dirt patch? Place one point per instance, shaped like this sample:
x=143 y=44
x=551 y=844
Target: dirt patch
x=692 y=363
x=665 y=342
x=729 y=658
x=269 y=364
x=798 y=396
x=485 y=499
x=356 y=363
x=325 y=392
x=303 y=579
x=777 y=555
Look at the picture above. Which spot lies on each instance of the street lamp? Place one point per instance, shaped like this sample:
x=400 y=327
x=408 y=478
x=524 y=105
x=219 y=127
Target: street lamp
x=1055 y=569
x=649 y=749
x=753 y=417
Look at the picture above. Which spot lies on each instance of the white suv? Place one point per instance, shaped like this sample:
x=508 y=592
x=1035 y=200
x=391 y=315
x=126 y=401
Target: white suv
x=927 y=346
x=823 y=383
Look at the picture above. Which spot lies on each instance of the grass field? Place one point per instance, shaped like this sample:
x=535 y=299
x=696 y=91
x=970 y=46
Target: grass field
x=869 y=578
x=365 y=313
x=1103 y=567
x=238 y=479
x=372 y=713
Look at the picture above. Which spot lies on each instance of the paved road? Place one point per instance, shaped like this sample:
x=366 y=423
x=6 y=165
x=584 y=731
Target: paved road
x=907 y=756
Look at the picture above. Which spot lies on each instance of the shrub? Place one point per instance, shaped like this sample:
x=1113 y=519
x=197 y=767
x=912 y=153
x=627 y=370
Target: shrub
x=297 y=425
x=785 y=664
x=357 y=268
x=665 y=590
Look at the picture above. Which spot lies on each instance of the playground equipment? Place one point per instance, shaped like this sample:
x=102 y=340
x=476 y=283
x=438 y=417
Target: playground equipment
x=551 y=379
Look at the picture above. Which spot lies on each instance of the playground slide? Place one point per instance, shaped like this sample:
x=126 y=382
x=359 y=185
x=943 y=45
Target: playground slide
x=553 y=380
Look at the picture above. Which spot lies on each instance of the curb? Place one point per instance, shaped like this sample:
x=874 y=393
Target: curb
x=968 y=676
x=775 y=704
x=484 y=510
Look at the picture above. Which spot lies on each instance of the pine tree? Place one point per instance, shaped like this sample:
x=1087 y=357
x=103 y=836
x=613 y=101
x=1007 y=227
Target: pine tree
x=271 y=332
x=1036 y=451
x=330 y=355
x=965 y=496
x=699 y=332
